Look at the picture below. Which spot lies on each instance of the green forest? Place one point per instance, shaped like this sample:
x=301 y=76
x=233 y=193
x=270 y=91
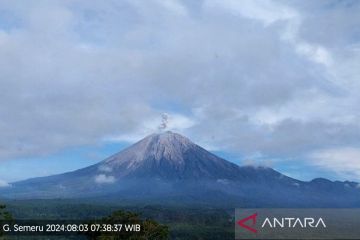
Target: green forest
x=158 y=221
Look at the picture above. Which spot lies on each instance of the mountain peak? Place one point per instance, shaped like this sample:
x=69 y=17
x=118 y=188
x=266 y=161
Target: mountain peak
x=168 y=139
x=157 y=146
x=166 y=134
x=168 y=155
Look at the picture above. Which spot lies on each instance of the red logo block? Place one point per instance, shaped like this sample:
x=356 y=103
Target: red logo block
x=249 y=218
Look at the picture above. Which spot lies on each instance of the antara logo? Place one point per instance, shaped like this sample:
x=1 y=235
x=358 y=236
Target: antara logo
x=291 y=222
x=287 y=222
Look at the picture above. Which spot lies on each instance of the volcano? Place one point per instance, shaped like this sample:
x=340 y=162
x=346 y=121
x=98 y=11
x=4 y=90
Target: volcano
x=169 y=156
x=168 y=167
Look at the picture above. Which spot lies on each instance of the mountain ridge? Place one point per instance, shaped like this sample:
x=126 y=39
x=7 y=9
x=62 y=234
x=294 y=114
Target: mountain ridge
x=167 y=166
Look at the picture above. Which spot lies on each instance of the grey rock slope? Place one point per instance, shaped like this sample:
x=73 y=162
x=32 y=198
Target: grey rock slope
x=168 y=167
x=169 y=156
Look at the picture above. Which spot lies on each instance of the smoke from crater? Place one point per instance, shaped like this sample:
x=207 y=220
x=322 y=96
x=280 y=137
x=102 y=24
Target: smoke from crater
x=164 y=121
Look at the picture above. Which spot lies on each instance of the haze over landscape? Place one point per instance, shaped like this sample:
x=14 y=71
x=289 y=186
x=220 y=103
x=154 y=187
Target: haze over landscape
x=259 y=83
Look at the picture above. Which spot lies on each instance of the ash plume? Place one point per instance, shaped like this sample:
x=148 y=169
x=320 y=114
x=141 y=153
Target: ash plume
x=164 y=121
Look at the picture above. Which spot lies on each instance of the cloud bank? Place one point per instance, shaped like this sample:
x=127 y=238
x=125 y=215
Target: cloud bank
x=104 y=179
x=276 y=78
x=4 y=184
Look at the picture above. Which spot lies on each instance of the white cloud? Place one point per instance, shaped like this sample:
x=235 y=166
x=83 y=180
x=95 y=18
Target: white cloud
x=278 y=78
x=173 y=6
x=4 y=184
x=345 y=162
x=176 y=122
x=315 y=53
x=266 y=11
x=104 y=179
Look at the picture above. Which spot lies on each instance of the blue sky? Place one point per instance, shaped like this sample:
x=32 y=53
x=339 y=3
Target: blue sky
x=266 y=82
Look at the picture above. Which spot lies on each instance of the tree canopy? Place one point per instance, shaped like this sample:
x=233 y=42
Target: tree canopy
x=4 y=215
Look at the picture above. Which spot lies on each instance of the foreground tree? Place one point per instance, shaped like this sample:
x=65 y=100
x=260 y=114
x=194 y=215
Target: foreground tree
x=4 y=216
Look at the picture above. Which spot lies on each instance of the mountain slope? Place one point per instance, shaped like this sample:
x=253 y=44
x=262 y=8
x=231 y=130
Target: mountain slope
x=169 y=156
x=168 y=167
